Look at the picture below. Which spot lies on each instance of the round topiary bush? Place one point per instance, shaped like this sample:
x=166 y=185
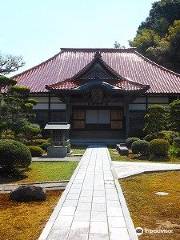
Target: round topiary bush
x=14 y=154
x=36 y=151
x=151 y=136
x=159 y=148
x=177 y=142
x=129 y=141
x=140 y=147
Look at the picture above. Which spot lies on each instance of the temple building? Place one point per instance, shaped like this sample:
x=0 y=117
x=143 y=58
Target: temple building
x=101 y=93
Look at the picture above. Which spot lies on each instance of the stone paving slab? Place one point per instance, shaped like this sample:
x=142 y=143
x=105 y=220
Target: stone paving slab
x=127 y=169
x=90 y=208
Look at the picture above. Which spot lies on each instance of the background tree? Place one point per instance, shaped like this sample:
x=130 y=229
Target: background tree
x=174 y=115
x=155 y=119
x=9 y=63
x=16 y=108
x=118 y=45
x=158 y=37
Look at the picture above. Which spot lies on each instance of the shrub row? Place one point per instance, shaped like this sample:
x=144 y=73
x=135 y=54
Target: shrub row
x=156 y=148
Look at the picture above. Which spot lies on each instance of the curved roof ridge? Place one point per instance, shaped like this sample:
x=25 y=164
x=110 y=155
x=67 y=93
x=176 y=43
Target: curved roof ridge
x=146 y=86
x=156 y=64
x=38 y=65
x=131 y=49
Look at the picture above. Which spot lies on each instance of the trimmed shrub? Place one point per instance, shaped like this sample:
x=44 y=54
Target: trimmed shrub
x=45 y=145
x=140 y=147
x=177 y=142
x=36 y=151
x=174 y=151
x=159 y=148
x=129 y=141
x=14 y=154
x=168 y=135
x=151 y=136
x=7 y=134
x=39 y=141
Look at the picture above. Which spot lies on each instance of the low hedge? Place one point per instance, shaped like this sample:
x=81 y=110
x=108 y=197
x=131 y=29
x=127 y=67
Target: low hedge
x=140 y=147
x=14 y=154
x=167 y=135
x=129 y=141
x=159 y=148
x=36 y=151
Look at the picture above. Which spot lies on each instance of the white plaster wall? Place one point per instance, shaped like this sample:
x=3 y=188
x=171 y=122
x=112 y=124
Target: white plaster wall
x=42 y=104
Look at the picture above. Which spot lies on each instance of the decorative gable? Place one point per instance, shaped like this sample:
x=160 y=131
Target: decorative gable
x=97 y=69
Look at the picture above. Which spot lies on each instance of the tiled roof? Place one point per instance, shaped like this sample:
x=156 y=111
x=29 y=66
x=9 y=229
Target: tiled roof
x=128 y=63
x=74 y=84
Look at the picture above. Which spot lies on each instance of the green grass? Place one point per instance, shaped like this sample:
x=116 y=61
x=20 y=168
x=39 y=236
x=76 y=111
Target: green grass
x=151 y=211
x=80 y=150
x=115 y=156
x=43 y=171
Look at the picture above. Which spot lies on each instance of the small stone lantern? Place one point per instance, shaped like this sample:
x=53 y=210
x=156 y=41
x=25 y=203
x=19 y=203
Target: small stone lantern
x=60 y=139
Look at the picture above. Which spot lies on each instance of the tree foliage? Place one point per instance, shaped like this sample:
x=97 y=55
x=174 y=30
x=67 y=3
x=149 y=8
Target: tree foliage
x=174 y=115
x=16 y=110
x=155 y=119
x=9 y=63
x=158 y=37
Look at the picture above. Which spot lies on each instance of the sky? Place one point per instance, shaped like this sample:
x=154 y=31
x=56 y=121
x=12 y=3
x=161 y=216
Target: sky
x=37 y=29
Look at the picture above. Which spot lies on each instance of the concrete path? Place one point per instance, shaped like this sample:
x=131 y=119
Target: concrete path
x=92 y=207
x=126 y=169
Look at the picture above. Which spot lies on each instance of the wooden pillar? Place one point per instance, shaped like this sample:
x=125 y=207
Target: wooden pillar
x=126 y=113
x=68 y=109
x=127 y=120
x=146 y=102
x=49 y=107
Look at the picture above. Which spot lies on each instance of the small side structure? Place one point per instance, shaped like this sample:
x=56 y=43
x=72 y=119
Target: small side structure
x=60 y=139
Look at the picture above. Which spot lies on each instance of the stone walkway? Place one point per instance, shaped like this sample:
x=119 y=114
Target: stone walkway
x=91 y=207
x=126 y=169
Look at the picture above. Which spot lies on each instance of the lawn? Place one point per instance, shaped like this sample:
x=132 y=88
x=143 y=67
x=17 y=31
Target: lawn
x=25 y=221
x=43 y=171
x=80 y=150
x=151 y=211
x=115 y=156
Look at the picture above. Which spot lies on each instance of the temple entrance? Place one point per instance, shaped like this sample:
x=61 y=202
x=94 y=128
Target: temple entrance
x=97 y=118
